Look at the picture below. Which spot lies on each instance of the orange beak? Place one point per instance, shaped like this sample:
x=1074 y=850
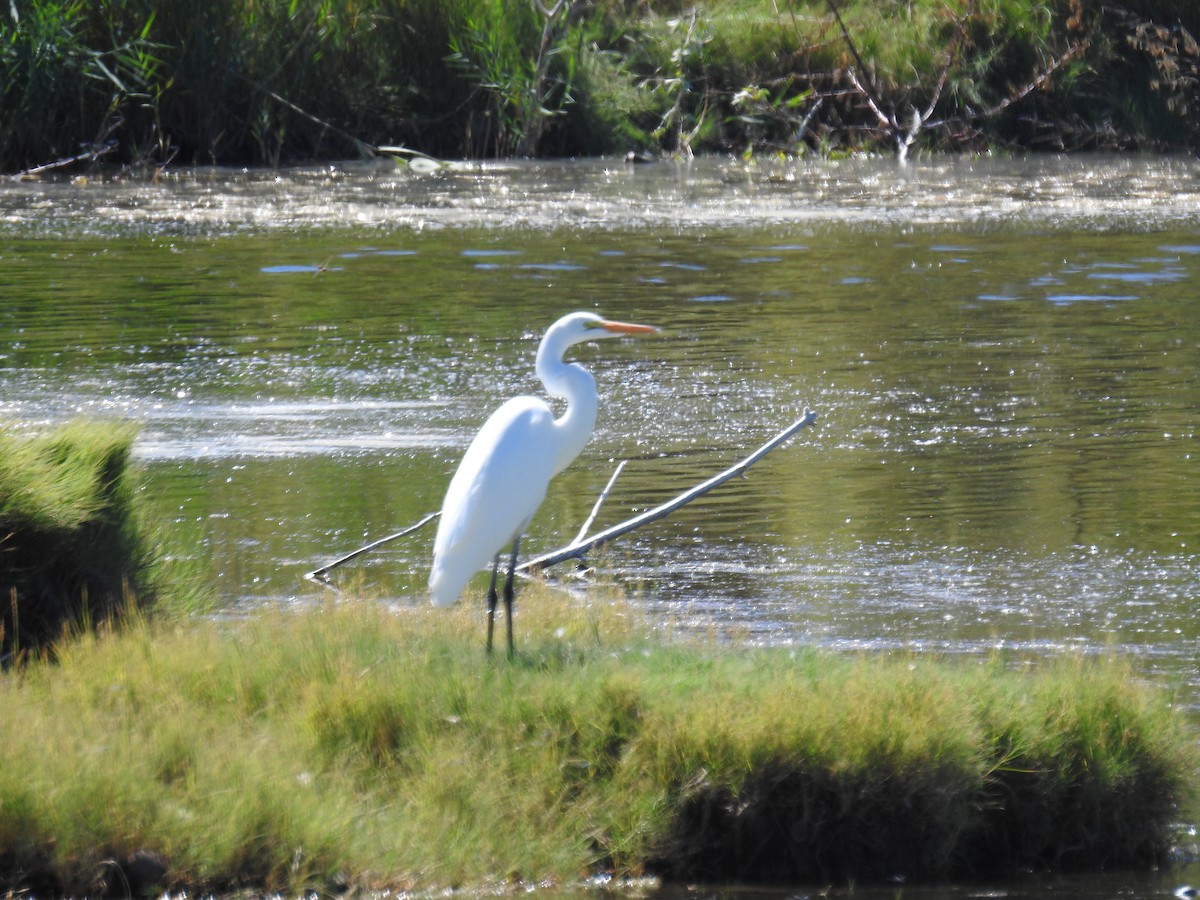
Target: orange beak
x=626 y=328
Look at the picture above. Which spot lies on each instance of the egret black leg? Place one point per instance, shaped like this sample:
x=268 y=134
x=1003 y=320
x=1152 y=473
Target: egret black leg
x=508 y=594
x=491 y=602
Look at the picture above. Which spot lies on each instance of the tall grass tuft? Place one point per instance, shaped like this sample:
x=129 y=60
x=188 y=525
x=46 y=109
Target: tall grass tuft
x=348 y=746
x=71 y=549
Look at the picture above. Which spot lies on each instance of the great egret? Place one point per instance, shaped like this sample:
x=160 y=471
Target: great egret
x=503 y=476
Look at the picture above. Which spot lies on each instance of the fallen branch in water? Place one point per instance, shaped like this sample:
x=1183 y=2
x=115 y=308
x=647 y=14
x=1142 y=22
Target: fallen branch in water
x=92 y=154
x=318 y=575
x=903 y=136
x=587 y=523
x=580 y=546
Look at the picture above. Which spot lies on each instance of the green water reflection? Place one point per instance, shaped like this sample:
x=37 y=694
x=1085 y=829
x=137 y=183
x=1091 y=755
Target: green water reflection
x=1005 y=453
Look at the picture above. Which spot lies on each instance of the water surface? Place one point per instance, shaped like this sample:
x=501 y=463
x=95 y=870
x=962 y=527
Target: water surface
x=1003 y=356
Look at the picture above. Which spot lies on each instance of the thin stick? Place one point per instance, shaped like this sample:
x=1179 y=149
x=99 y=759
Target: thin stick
x=868 y=89
x=599 y=500
x=1038 y=80
x=577 y=548
x=318 y=575
x=97 y=151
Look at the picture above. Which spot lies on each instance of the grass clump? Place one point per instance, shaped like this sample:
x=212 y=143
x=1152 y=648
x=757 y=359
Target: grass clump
x=349 y=746
x=71 y=549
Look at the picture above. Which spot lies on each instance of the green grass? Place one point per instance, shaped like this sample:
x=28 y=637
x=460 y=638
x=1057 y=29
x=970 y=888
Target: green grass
x=348 y=745
x=72 y=549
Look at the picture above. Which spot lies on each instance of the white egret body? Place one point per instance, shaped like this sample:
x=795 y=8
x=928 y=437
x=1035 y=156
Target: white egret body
x=503 y=476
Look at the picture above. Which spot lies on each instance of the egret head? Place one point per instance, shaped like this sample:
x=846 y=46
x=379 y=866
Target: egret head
x=577 y=327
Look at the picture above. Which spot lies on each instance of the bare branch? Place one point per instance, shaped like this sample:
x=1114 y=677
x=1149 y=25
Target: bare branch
x=579 y=547
x=361 y=146
x=960 y=38
x=1038 y=80
x=808 y=117
x=102 y=146
x=318 y=575
x=582 y=545
x=905 y=136
x=600 y=501
x=884 y=120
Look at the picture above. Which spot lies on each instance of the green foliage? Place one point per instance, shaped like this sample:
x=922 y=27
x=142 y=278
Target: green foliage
x=235 y=81
x=611 y=113
x=497 y=47
x=349 y=746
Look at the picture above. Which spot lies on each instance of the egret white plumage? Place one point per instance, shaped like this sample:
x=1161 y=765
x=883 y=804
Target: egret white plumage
x=503 y=476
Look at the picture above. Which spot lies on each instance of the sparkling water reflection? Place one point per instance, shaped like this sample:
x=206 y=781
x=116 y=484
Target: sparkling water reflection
x=993 y=400
x=1003 y=355
x=1043 y=192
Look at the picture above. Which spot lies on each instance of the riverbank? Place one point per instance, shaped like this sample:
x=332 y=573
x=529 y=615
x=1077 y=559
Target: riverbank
x=152 y=85
x=349 y=745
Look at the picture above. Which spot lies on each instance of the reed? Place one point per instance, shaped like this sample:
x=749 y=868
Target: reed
x=348 y=745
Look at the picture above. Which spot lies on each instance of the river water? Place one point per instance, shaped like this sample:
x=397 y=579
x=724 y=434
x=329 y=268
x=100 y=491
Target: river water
x=1003 y=356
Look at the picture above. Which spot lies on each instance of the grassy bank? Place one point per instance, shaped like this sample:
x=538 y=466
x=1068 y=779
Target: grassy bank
x=352 y=746
x=73 y=551
x=148 y=82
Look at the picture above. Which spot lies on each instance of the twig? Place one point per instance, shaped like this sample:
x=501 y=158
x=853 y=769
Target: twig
x=578 y=548
x=868 y=91
x=960 y=38
x=599 y=501
x=361 y=146
x=886 y=121
x=318 y=575
x=808 y=117
x=1038 y=80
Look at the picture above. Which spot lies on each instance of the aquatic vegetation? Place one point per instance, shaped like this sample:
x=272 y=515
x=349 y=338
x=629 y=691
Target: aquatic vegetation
x=348 y=745
x=235 y=81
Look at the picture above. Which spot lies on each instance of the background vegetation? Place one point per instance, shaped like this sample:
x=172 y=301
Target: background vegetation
x=350 y=746
x=251 y=82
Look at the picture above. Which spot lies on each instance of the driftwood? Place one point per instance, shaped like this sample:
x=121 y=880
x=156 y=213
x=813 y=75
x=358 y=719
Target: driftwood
x=587 y=523
x=581 y=545
x=92 y=154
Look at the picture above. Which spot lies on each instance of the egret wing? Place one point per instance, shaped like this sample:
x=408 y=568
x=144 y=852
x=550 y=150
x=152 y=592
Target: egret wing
x=499 y=485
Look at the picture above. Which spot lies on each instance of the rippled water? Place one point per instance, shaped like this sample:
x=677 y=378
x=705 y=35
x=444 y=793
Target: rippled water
x=1003 y=355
